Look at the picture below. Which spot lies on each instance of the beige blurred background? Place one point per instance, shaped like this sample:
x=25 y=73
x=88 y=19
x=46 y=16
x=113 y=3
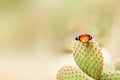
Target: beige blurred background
x=36 y=36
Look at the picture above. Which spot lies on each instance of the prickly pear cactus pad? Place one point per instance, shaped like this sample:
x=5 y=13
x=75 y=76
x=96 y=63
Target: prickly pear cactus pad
x=110 y=75
x=90 y=65
x=88 y=56
x=72 y=73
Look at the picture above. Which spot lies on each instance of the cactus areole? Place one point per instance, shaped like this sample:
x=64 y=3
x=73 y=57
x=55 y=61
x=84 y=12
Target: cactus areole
x=84 y=38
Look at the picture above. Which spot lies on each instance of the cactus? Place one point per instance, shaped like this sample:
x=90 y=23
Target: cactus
x=72 y=73
x=89 y=59
x=110 y=75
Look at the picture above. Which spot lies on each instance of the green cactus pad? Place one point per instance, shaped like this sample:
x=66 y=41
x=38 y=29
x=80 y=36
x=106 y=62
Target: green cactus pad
x=72 y=73
x=110 y=75
x=88 y=56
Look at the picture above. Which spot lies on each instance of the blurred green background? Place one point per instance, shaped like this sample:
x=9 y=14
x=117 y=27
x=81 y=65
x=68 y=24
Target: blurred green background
x=36 y=36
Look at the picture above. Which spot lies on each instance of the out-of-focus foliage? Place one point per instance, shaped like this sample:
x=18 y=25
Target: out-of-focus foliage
x=60 y=19
x=117 y=65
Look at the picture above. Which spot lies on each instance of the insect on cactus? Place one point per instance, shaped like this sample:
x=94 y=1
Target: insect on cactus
x=88 y=56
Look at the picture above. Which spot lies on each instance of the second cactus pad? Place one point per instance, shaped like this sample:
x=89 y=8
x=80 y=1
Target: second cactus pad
x=88 y=56
x=110 y=75
x=72 y=73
